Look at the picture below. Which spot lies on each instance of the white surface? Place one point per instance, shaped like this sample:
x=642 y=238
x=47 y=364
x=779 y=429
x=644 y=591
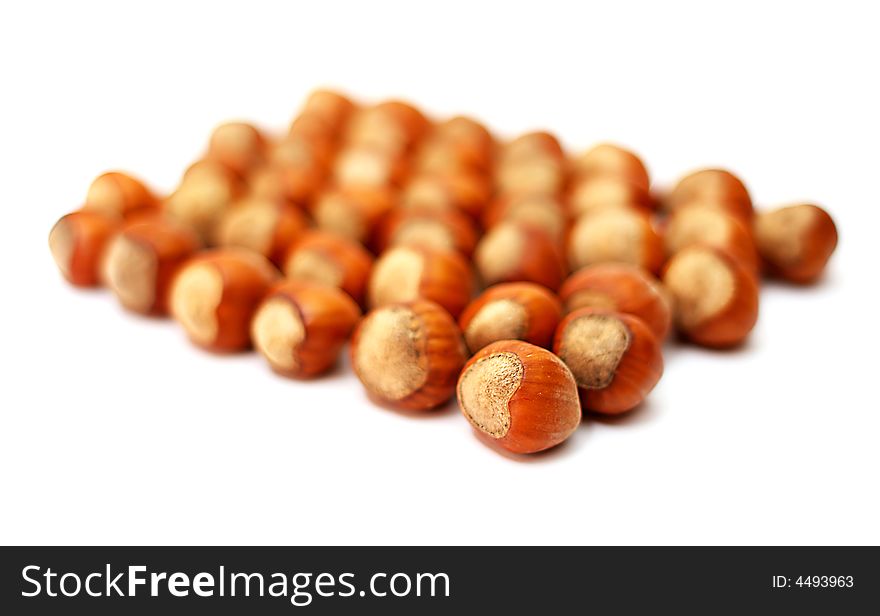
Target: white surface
x=115 y=430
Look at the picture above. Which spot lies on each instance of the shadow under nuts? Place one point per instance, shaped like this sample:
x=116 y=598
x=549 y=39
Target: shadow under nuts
x=408 y=355
x=519 y=396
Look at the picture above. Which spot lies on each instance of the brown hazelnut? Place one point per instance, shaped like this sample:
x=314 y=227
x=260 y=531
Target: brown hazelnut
x=511 y=311
x=796 y=241
x=330 y=259
x=595 y=193
x=464 y=139
x=332 y=107
x=621 y=288
x=367 y=167
x=712 y=188
x=715 y=299
x=265 y=227
x=352 y=212
x=714 y=227
x=615 y=235
x=463 y=191
x=519 y=396
x=528 y=145
x=77 y=242
x=614 y=357
x=119 y=194
x=142 y=260
x=542 y=212
x=443 y=230
x=405 y=273
x=540 y=174
x=301 y=326
x=301 y=168
x=408 y=355
x=608 y=159
x=205 y=193
x=215 y=293
x=513 y=252
x=239 y=146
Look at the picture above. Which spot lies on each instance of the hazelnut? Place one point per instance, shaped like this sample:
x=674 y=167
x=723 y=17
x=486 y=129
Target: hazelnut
x=713 y=188
x=367 y=167
x=301 y=168
x=301 y=326
x=119 y=194
x=540 y=174
x=77 y=243
x=408 y=355
x=621 y=288
x=713 y=227
x=607 y=159
x=330 y=259
x=332 y=107
x=619 y=235
x=464 y=140
x=511 y=311
x=313 y=133
x=142 y=260
x=352 y=212
x=796 y=241
x=265 y=227
x=390 y=127
x=528 y=145
x=519 y=396
x=444 y=230
x=513 y=252
x=238 y=146
x=205 y=193
x=405 y=273
x=463 y=191
x=595 y=193
x=715 y=299
x=542 y=212
x=215 y=294
x=614 y=357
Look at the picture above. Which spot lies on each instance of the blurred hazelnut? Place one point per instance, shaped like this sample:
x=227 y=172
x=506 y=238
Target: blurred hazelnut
x=265 y=227
x=712 y=188
x=330 y=259
x=796 y=241
x=615 y=235
x=77 y=242
x=713 y=227
x=621 y=288
x=608 y=159
x=444 y=230
x=513 y=252
x=119 y=194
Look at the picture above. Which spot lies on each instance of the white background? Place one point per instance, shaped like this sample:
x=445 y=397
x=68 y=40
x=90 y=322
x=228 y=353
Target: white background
x=115 y=430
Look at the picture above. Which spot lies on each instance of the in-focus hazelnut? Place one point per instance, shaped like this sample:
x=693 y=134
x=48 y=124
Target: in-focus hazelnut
x=615 y=358
x=142 y=260
x=408 y=355
x=265 y=227
x=796 y=241
x=301 y=326
x=330 y=259
x=215 y=294
x=715 y=299
x=511 y=311
x=513 y=252
x=621 y=288
x=519 y=396
x=119 y=194
x=77 y=242
x=405 y=273
x=615 y=235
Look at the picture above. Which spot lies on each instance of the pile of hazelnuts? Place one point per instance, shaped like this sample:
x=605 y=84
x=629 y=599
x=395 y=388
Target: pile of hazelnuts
x=535 y=286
